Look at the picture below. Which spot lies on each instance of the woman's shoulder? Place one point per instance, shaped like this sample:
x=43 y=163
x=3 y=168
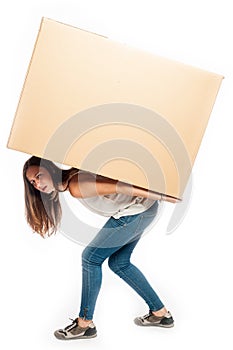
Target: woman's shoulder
x=80 y=182
x=72 y=186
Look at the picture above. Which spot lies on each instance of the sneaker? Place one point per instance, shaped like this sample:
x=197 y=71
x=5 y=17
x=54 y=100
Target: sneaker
x=152 y=320
x=74 y=331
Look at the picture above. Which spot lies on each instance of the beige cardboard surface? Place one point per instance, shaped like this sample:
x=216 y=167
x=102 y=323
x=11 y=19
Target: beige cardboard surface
x=112 y=109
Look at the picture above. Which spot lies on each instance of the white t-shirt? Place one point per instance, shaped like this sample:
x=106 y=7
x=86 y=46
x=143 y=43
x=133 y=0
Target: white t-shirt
x=117 y=204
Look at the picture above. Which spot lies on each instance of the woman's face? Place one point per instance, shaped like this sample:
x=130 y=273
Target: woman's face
x=40 y=178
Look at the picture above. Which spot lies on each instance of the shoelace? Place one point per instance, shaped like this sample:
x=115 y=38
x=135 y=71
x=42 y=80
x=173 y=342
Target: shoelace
x=150 y=314
x=71 y=326
x=145 y=316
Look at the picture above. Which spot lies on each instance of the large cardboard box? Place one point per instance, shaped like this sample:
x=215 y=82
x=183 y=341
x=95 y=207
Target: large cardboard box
x=114 y=110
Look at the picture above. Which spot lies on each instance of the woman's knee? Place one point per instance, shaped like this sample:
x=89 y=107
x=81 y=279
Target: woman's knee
x=113 y=264
x=116 y=264
x=87 y=255
x=92 y=256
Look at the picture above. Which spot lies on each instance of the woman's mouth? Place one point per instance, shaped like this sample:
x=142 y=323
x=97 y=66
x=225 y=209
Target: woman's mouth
x=44 y=188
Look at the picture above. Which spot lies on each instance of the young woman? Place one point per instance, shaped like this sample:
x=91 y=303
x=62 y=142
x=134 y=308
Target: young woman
x=130 y=210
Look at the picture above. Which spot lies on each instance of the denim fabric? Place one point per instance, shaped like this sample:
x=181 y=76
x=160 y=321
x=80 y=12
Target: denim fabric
x=116 y=241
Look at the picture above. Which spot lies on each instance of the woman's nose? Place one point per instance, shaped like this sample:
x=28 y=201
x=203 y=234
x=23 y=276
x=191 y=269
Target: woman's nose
x=37 y=183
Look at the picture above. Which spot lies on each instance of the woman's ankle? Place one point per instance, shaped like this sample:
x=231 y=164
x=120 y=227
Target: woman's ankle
x=160 y=313
x=83 y=323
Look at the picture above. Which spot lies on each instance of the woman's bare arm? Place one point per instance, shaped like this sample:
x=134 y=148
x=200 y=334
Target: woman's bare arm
x=84 y=185
x=131 y=190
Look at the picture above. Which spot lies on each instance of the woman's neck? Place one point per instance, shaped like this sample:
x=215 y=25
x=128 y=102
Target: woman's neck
x=62 y=187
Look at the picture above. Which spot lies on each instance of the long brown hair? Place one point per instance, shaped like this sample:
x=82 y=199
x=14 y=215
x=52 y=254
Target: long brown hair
x=43 y=211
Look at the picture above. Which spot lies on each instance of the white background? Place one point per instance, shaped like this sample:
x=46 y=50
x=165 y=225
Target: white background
x=191 y=269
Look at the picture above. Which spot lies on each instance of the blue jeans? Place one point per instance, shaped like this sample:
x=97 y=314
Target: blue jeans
x=116 y=241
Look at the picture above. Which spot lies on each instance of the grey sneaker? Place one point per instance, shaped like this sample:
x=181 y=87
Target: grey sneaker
x=152 y=320
x=74 y=331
